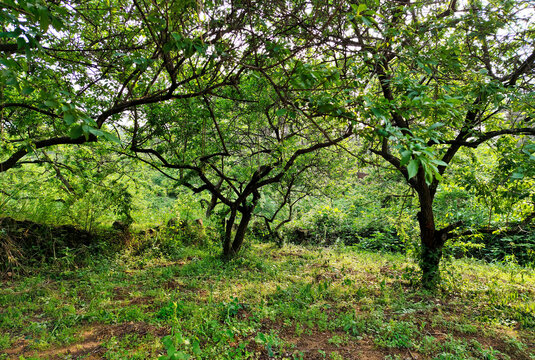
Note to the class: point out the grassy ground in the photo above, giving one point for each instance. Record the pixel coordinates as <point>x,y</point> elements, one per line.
<point>289,303</point>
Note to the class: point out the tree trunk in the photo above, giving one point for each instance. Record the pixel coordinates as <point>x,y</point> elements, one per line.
<point>227,239</point>
<point>231,246</point>
<point>240,232</point>
<point>431,241</point>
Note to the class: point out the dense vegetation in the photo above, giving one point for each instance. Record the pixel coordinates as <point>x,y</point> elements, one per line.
<point>234,179</point>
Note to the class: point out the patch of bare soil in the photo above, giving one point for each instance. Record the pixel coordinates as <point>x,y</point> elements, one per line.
<point>315,345</point>
<point>442,333</point>
<point>90,347</point>
<point>142,300</point>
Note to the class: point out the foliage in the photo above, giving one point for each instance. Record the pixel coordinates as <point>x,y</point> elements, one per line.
<point>25,244</point>
<point>498,247</point>
<point>139,138</point>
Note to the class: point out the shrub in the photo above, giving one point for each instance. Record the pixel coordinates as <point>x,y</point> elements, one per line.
<point>498,248</point>
<point>26,243</point>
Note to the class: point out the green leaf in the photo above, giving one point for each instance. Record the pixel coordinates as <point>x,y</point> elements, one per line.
<point>29,149</point>
<point>428,177</point>
<point>377,112</point>
<point>382,132</point>
<point>89,121</point>
<point>21,43</point>
<point>86,130</point>
<point>368,20</point>
<point>439,162</point>
<point>167,341</point>
<point>69,118</point>
<point>10,34</point>
<point>45,19</point>
<point>111,137</point>
<point>51,103</point>
<point>196,348</point>
<point>405,157</point>
<point>280,112</point>
<point>436,125</point>
<point>95,132</point>
<point>517,175</point>
<point>27,90</point>
<point>13,82</point>
<point>76,132</point>
<point>57,23</point>
<point>413,167</point>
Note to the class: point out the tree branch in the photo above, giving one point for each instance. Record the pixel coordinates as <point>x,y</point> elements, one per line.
<point>19,154</point>
<point>30,107</point>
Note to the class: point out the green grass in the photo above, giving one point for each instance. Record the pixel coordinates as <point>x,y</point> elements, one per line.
<point>289,303</point>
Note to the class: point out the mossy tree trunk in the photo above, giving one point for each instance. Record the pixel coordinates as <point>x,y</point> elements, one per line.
<point>431,240</point>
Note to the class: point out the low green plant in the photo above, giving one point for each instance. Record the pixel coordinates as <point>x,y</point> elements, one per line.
<point>179,348</point>
<point>270,341</point>
<point>396,334</point>
<point>337,340</point>
<point>231,309</point>
<point>349,323</point>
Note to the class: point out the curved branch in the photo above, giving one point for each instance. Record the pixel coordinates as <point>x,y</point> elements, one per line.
<point>30,107</point>
<point>19,154</point>
<point>303,151</point>
<point>483,137</point>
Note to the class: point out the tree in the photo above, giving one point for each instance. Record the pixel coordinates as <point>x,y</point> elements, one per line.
<point>233,145</point>
<point>428,81</point>
<point>143,58</point>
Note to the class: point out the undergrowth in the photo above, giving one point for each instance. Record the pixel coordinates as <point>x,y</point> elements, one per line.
<point>289,303</point>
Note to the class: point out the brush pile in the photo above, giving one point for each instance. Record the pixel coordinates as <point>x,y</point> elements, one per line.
<point>24,243</point>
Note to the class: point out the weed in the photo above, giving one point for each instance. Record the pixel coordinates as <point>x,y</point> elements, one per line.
<point>335,356</point>
<point>396,334</point>
<point>350,324</point>
<point>338,340</point>
<point>270,341</point>
<point>231,309</point>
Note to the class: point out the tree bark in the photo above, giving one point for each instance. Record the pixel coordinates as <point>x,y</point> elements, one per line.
<point>432,241</point>
<point>240,232</point>
<point>227,239</point>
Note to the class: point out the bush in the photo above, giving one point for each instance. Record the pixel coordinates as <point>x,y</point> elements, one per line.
<point>384,241</point>
<point>324,225</point>
<point>171,239</point>
<point>26,243</point>
<point>519,248</point>
<point>327,226</point>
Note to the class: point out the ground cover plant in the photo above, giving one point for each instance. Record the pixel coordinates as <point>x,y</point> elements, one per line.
<point>282,303</point>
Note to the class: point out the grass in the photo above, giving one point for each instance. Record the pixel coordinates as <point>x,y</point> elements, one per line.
<point>289,303</point>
